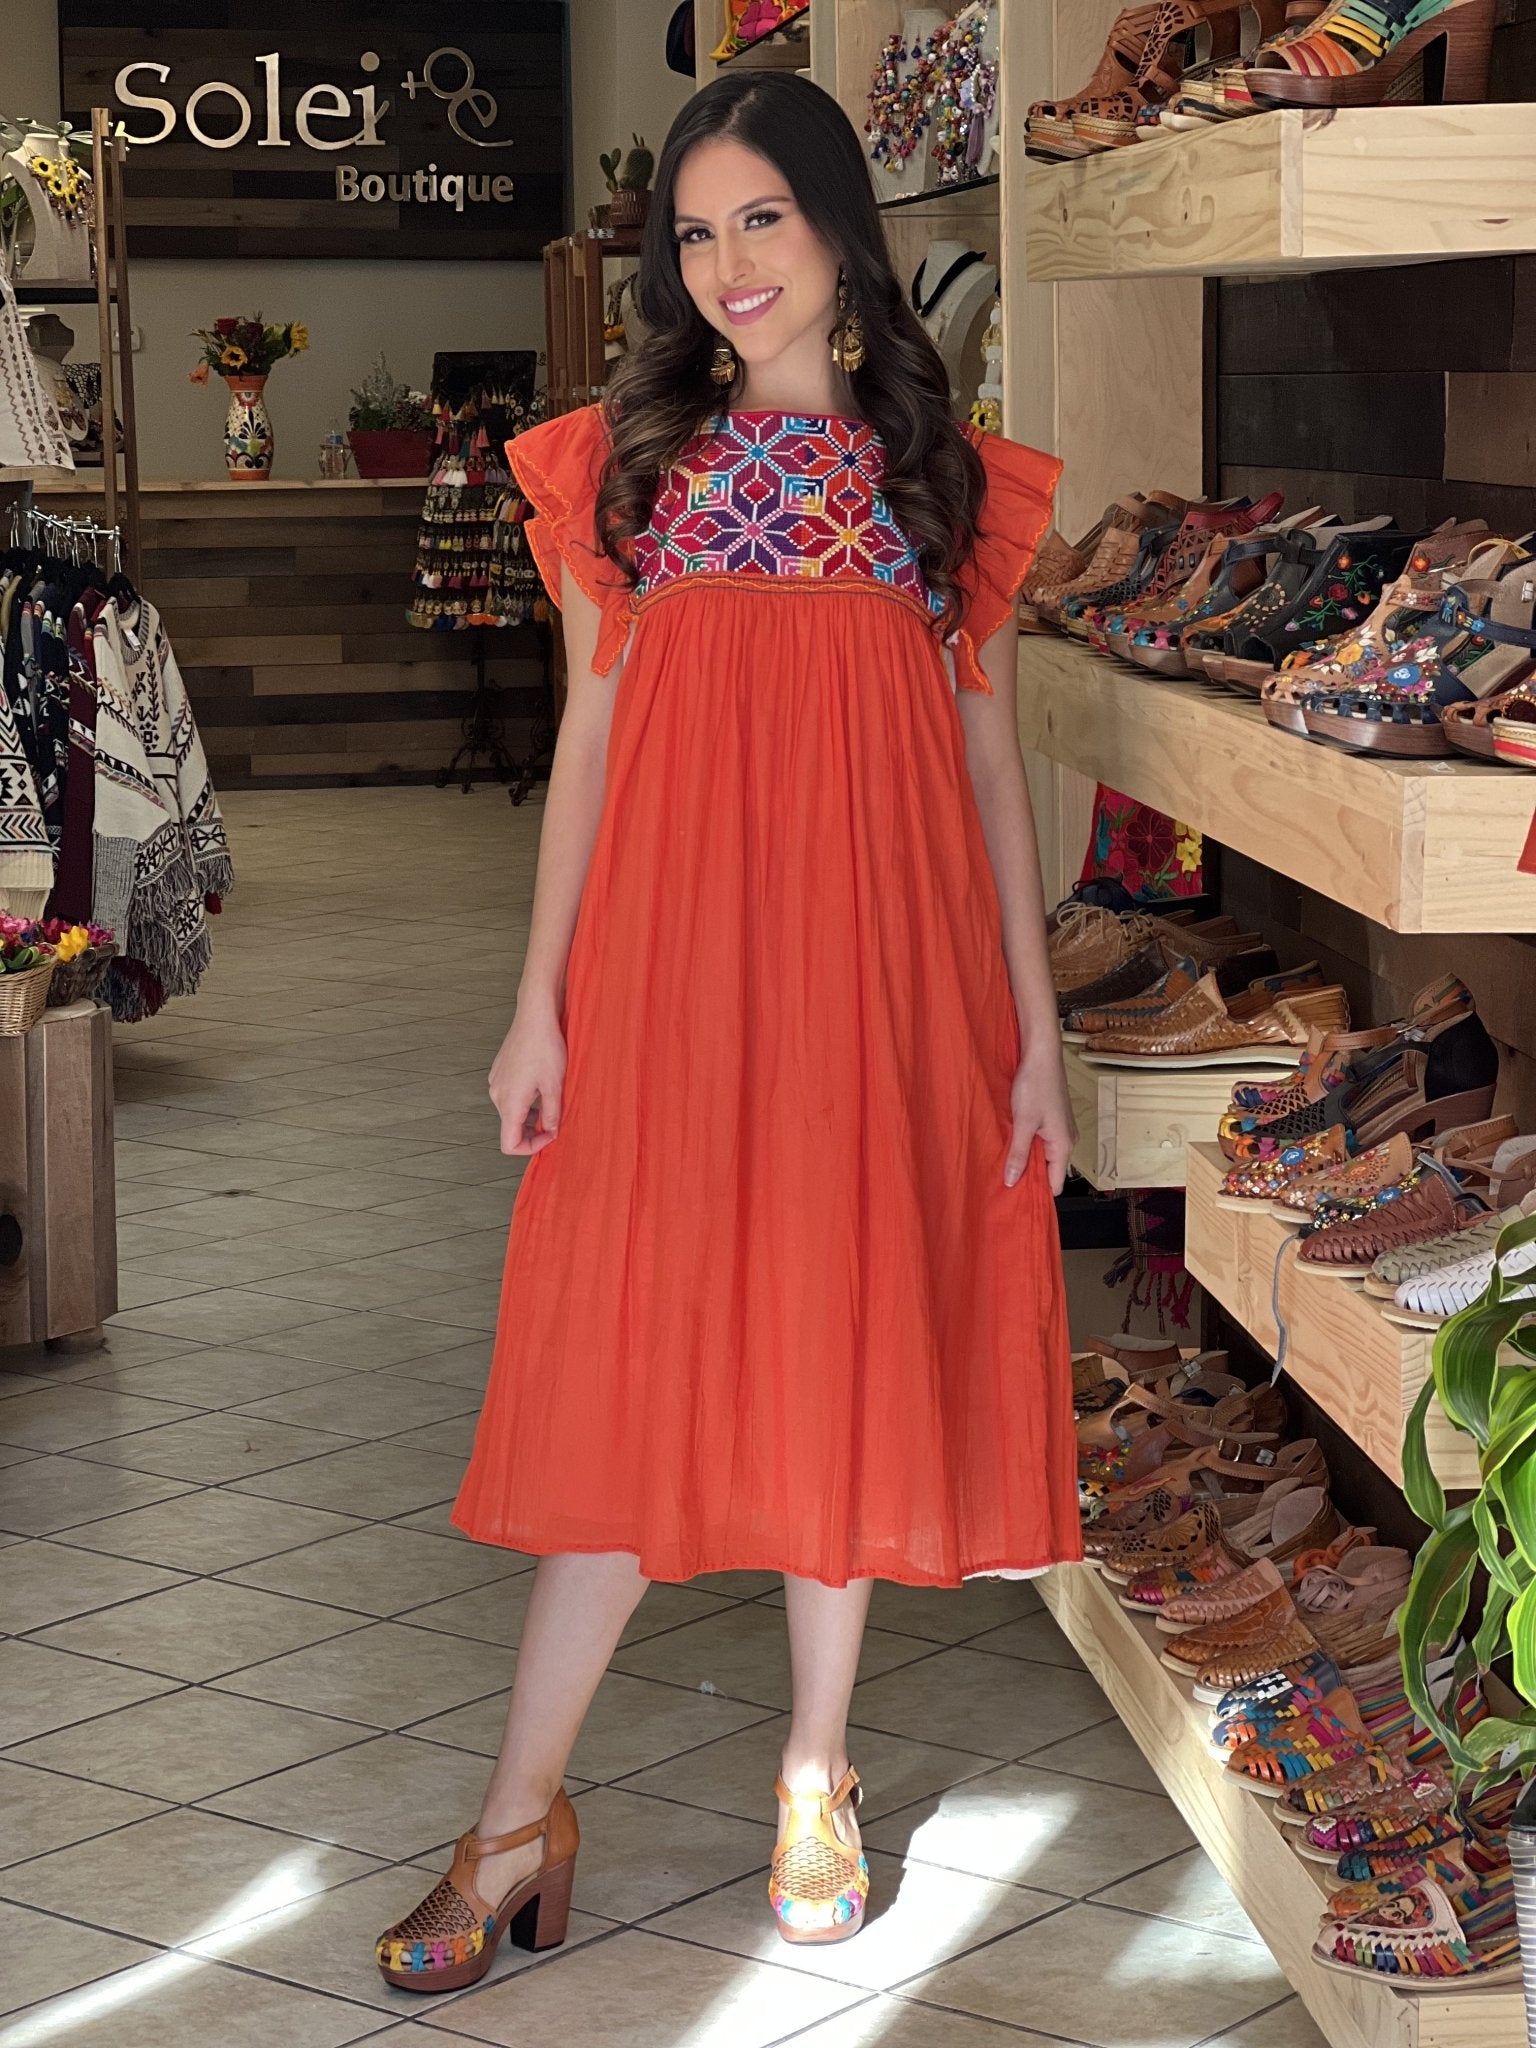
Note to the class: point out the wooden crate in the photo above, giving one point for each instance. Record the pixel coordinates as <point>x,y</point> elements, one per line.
<point>1281,1894</point>
<point>1427,846</point>
<point>1134,1124</point>
<point>56,1176</point>
<point>1365,1371</point>
<point>1290,190</point>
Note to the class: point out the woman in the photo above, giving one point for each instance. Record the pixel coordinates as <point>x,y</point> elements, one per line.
<point>783,1288</point>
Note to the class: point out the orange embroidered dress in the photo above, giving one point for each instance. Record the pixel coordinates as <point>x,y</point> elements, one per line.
<point>767,1301</point>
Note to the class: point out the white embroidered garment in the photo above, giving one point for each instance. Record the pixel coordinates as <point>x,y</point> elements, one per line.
<point>32,438</point>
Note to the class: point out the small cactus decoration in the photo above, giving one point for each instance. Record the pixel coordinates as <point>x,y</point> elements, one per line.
<point>639,166</point>
<point>608,163</point>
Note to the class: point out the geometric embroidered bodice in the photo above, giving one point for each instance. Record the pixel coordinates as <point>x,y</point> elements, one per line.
<point>779,494</point>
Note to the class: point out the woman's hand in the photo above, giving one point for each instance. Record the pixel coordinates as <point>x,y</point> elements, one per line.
<point>1041,1109</point>
<point>529,1068</point>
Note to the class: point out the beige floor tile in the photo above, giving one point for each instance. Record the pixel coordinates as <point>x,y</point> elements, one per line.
<point>65,1418</point>
<point>221,1315</point>
<point>736,1774</point>
<point>389,1797</point>
<point>372,1284</point>
<point>13,1454</point>
<point>177,2001</point>
<point>457,1208</point>
<point>437,1520</point>
<point>136,1881</point>
<point>200,1630</point>
<point>47,1582</point>
<point>13,1383</point>
<point>44,1688</point>
<point>44,1956</point>
<point>899,2023</point>
<point>220,1379</point>
<point>744,1653</point>
<point>469,1304</point>
<point>996,1706</point>
<point>1025,1826</point>
<point>213,1449</point>
<point>467,1365</point>
<point>188,1745</point>
<point>1035,1637</point>
<point>326,1942</point>
<point>918,1917</point>
<point>454,1438</point>
<point>136,1290</point>
<point>226,1262</point>
<point>1284,2026</point>
<point>383,1674</point>
<point>365,1233</point>
<point>383,1569</point>
<point>632,1722</point>
<point>945,1615</point>
<point>479,1254</point>
<point>1107,1754</point>
<point>1055,1973</point>
<point>209,1531</point>
<point>211,1173</point>
<point>494,1614</point>
<point>354,1187</point>
<point>125,1348</point>
<point>640,1855</point>
<point>40,1812</point>
<point>218,1218</point>
<point>1187,1887</point>
<point>364,1341</point>
<point>639,1991</point>
<point>375,1480</point>
<point>144,1197</point>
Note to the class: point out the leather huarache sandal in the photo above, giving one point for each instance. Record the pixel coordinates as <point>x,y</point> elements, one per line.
<point>1426,1302</point>
<point>1362,53</point>
<point>450,1939</point>
<point>817,1885</point>
<point>1417,1261</point>
<point>1048,130</point>
<point>1397,1816</point>
<point>1289,1642</point>
<point>1347,1250</point>
<point>1420,1934</point>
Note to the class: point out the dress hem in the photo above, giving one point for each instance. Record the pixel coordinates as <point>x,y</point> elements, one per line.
<point>1009,1567</point>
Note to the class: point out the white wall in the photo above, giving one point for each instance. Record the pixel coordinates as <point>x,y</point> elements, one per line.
<point>619,82</point>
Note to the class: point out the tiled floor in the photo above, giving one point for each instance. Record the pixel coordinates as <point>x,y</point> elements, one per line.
<point>250,1677</point>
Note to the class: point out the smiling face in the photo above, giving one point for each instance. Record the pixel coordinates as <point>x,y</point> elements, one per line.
<point>750,260</point>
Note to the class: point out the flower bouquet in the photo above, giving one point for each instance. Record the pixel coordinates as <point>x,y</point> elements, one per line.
<point>83,953</point>
<point>26,968</point>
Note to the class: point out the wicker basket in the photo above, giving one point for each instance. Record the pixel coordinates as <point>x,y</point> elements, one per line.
<point>23,998</point>
<point>79,980</point>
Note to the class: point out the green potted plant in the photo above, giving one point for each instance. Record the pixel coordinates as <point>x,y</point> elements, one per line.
<point>632,187</point>
<point>389,426</point>
<point>1483,1383</point>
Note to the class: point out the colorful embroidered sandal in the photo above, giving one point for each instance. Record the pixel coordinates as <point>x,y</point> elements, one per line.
<point>817,1885</point>
<point>450,1939</point>
<point>1362,53</point>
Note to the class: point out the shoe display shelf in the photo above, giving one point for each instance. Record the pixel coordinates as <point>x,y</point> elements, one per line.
<point>1134,1125</point>
<point>1340,1349</point>
<point>1419,846</point>
<point>1282,1894</point>
<point>1292,189</point>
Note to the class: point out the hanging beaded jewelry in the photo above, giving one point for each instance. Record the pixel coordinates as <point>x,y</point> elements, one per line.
<point>899,100</point>
<point>962,93</point>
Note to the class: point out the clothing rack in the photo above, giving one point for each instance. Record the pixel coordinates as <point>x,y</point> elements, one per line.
<point>73,540</point>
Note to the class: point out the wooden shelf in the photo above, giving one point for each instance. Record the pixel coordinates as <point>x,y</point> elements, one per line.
<point>1427,846</point>
<point>942,196</point>
<point>1281,1894</point>
<point>34,291</point>
<point>1135,1124</point>
<point>1365,1371</point>
<point>1290,190</point>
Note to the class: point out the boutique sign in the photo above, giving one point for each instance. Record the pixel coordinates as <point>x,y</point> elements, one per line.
<point>390,130</point>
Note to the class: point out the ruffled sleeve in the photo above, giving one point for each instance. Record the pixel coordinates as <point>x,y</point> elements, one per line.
<point>1021,482</point>
<point>558,466</point>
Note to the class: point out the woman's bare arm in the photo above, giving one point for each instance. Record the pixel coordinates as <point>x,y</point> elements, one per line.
<point>530,1066</point>
<point>996,766</point>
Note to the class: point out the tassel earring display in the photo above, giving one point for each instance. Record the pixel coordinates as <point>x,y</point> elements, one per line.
<point>848,351</point>
<point>722,369</point>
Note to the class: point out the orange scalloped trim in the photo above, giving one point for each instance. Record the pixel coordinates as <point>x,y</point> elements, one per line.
<point>990,607</point>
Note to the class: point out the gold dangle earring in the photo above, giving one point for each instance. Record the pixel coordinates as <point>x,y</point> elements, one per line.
<point>722,369</point>
<point>848,351</point>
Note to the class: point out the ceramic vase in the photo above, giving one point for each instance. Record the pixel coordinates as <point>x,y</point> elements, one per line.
<point>248,431</point>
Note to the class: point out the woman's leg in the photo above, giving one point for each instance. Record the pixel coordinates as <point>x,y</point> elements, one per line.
<point>826,1628</point>
<point>576,1614</point>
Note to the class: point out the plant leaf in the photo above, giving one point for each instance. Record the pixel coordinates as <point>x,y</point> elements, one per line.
<point>1489,1534</point>
<point>1426,1496</point>
<point>1466,1361</point>
<point>1513,1418</point>
<point>1522,1641</point>
<point>1489,1739</point>
<point>1515,1484</point>
<point>1492,1637</point>
<point>1431,1614</point>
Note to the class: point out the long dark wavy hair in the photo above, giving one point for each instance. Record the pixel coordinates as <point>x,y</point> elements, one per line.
<point>661,394</point>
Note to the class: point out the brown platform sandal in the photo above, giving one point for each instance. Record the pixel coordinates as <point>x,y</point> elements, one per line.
<point>450,1939</point>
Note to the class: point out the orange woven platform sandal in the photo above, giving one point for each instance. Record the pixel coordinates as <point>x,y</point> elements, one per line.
<point>817,1885</point>
<point>450,1939</point>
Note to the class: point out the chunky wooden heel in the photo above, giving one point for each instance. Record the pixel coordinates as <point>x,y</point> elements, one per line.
<point>450,1939</point>
<point>1369,53</point>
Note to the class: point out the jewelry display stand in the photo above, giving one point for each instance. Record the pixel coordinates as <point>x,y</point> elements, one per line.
<point>61,249</point>
<point>953,293</point>
<point>918,173</point>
